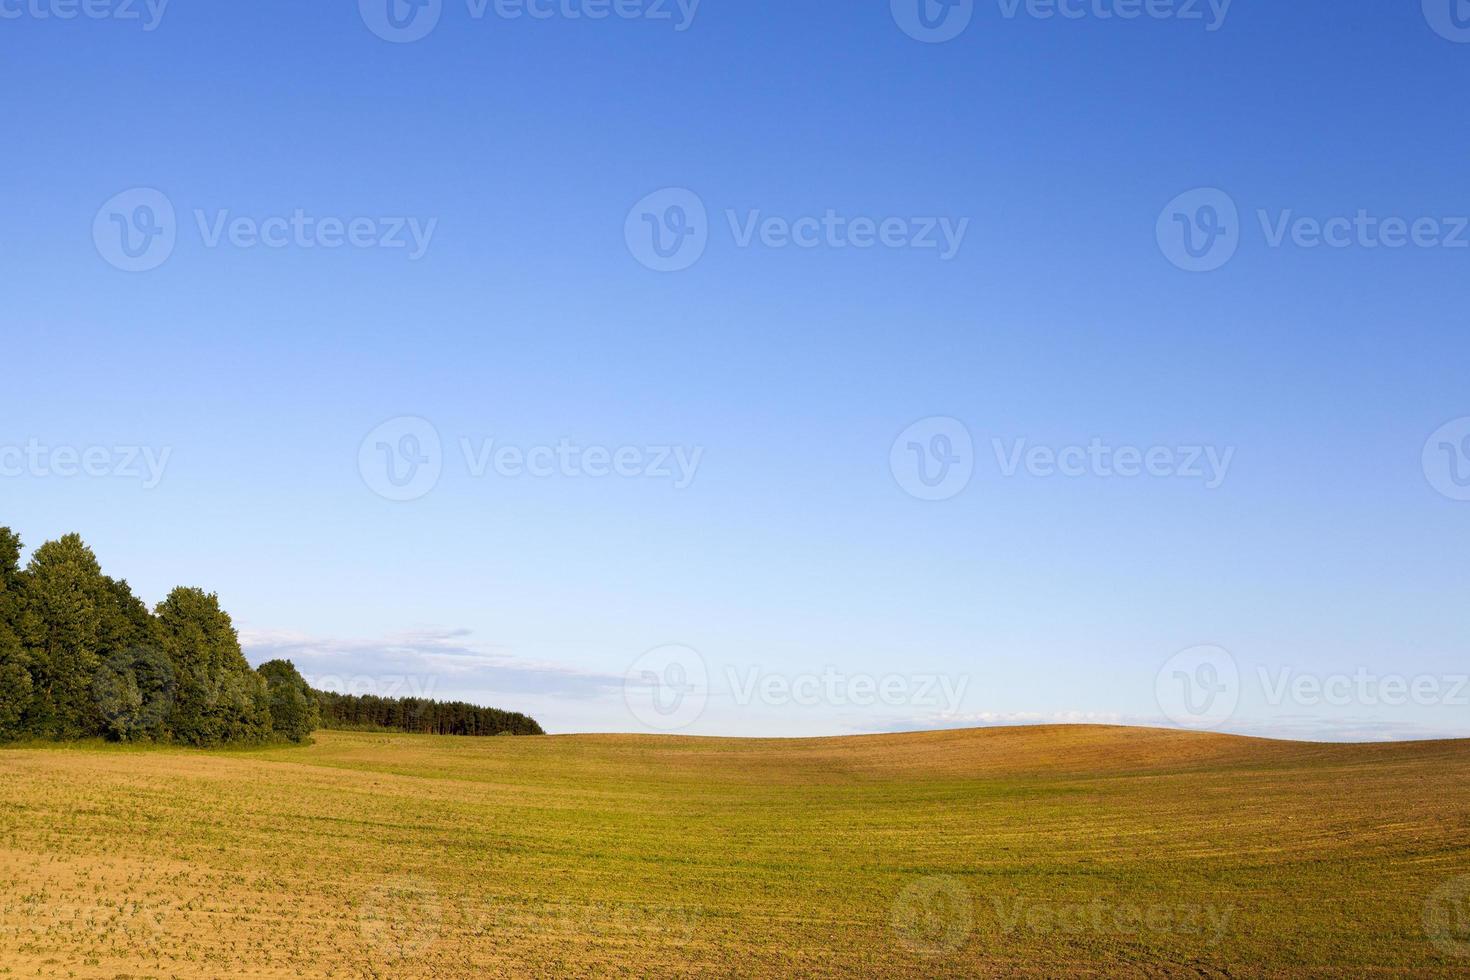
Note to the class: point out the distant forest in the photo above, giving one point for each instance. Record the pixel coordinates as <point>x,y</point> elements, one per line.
<point>368,712</point>
<point>82,657</point>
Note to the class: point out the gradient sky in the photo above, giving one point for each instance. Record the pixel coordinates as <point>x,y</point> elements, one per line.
<point>1326,550</point>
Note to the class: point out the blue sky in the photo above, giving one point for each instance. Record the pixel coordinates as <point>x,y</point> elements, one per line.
<point>529,152</point>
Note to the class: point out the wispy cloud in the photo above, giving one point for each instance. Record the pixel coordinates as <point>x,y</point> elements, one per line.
<point>425,656</point>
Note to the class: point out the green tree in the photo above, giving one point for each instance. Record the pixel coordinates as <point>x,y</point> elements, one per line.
<point>61,622</point>
<point>15,675</point>
<point>294,711</point>
<point>134,690</point>
<point>217,697</point>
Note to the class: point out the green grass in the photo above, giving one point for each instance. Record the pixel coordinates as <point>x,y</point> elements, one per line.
<point>1036,851</point>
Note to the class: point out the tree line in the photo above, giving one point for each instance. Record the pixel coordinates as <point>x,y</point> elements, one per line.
<point>81,656</point>
<point>420,715</point>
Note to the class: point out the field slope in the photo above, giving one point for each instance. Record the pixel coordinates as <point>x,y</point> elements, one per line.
<point>1039,851</point>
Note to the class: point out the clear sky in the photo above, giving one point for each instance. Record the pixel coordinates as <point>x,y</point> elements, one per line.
<point>1088,236</point>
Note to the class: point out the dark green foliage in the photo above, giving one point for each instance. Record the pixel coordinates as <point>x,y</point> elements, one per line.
<point>134,691</point>
<point>294,711</point>
<point>218,697</point>
<point>61,625</point>
<point>421,716</point>
<point>81,656</point>
<point>15,675</point>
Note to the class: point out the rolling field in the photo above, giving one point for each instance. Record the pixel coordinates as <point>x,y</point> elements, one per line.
<point>1038,851</point>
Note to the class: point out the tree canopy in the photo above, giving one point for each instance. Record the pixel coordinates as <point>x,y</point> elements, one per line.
<point>81,656</point>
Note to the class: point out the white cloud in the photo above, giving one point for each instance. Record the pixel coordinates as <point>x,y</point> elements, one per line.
<point>427,663</point>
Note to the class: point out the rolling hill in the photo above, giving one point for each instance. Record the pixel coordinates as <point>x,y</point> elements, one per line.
<point>1034,851</point>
